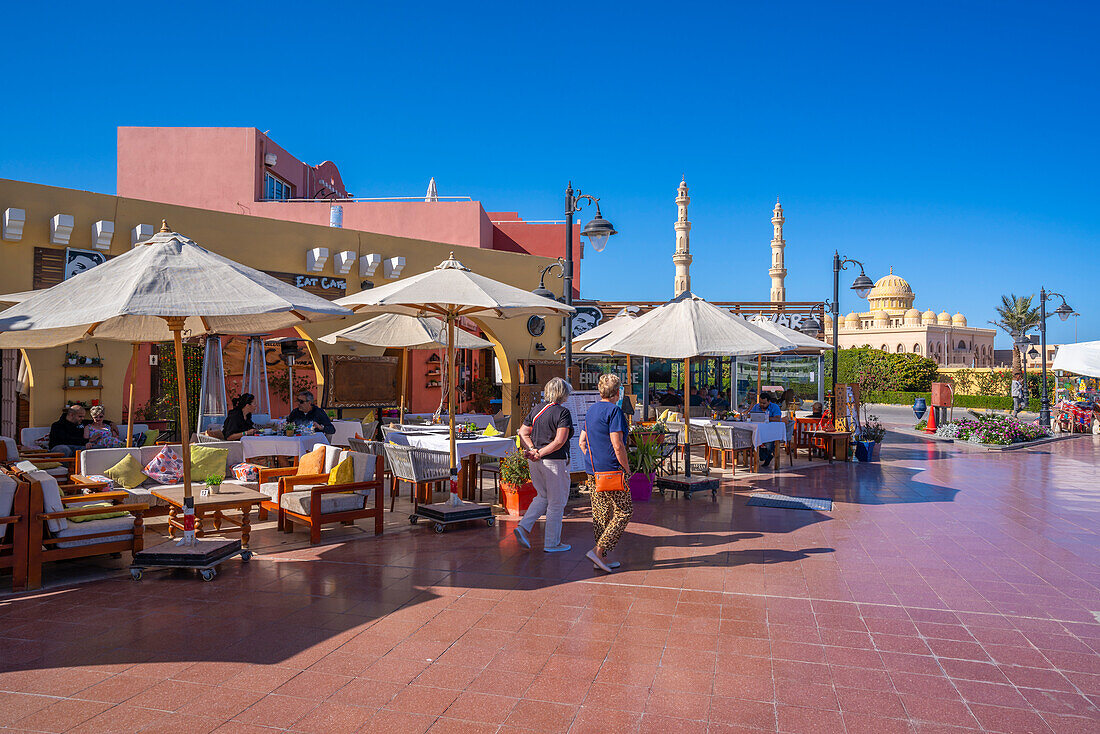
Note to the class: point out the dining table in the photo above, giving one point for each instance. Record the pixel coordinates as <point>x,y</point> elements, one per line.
<point>274,445</point>
<point>468,452</point>
<point>772,432</point>
<point>481,420</point>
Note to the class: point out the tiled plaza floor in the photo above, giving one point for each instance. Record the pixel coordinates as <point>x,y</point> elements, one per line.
<point>945,591</point>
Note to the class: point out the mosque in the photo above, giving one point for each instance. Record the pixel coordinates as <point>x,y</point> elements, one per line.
<point>891,323</point>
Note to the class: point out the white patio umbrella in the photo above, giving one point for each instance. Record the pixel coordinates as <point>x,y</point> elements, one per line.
<point>687,327</point>
<point>1082,358</point>
<point>159,289</point>
<point>397,331</point>
<point>451,290</point>
<point>800,340</point>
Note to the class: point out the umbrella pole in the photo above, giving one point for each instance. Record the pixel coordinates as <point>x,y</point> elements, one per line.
<point>404,384</point>
<point>451,387</point>
<point>130,408</point>
<point>175,324</point>
<point>758,377</point>
<point>687,418</point>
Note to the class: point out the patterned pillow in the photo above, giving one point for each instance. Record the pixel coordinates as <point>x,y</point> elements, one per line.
<point>166,467</point>
<point>111,485</point>
<point>246,472</point>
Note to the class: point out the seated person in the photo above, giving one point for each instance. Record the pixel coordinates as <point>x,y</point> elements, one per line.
<point>238,421</point>
<point>816,410</point>
<point>696,399</point>
<point>67,432</point>
<point>719,403</point>
<point>307,412</point>
<point>100,433</point>
<point>764,404</point>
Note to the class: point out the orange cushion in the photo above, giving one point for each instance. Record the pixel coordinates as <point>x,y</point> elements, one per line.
<point>313,462</point>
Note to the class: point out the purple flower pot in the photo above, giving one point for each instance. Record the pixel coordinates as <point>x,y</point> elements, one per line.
<point>641,487</point>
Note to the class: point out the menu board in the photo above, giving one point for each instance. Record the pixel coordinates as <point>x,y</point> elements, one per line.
<point>578,404</point>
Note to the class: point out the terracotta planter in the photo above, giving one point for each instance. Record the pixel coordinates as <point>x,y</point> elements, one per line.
<point>641,487</point>
<point>517,499</point>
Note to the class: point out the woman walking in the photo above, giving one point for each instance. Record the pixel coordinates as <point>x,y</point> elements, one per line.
<point>545,435</point>
<point>603,441</point>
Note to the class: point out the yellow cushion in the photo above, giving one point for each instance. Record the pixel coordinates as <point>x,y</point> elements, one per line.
<point>207,461</point>
<point>663,417</point>
<point>490,430</point>
<point>342,473</point>
<point>151,437</point>
<point>127,473</point>
<point>313,462</point>
<point>46,465</point>
<point>100,516</point>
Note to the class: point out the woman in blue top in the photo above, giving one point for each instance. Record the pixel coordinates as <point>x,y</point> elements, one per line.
<point>603,442</point>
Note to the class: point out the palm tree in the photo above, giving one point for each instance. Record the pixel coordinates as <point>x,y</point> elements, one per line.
<point>1017,317</point>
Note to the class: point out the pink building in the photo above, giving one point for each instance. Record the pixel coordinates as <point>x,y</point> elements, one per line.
<point>241,170</point>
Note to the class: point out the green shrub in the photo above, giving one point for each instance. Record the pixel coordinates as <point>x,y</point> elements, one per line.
<point>874,368</point>
<point>978,402</point>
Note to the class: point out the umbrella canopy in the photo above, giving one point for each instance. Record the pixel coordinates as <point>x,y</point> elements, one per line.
<point>17,297</point>
<point>800,340</point>
<point>160,288</point>
<point>405,332</point>
<point>1081,359</point>
<point>621,321</point>
<point>450,290</point>
<point>129,298</point>
<point>687,326</point>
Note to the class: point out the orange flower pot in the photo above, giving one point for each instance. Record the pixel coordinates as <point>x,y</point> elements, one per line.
<point>517,498</point>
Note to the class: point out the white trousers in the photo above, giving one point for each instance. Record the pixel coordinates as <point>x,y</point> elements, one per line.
<point>551,480</point>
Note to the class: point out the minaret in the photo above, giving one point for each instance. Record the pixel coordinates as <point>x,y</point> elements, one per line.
<point>777,271</point>
<point>682,257</point>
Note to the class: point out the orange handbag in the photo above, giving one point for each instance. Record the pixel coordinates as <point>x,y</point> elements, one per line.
<point>606,481</point>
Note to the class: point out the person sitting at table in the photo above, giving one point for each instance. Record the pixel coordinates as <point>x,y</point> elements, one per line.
<point>816,410</point>
<point>238,421</point>
<point>100,433</point>
<point>67,432</point>
<point>308,413</point>
<point>764,404</point>
<point>695,398</point>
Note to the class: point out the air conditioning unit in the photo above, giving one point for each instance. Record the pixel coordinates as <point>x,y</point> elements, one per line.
<point>270,159</point>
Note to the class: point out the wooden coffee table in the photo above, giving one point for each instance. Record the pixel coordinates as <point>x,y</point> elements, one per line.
<point>231,498</point>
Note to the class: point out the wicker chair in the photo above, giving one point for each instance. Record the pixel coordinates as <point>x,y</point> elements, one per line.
<point>736,443</point>
<point>369,429</point>
<point>698,437</point>
<point>714,445</point>
<point>421,468</point>
<point>374,448</point>
<point>670,443</point>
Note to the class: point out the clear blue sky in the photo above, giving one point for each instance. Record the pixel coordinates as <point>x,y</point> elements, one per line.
<point>954,141</point>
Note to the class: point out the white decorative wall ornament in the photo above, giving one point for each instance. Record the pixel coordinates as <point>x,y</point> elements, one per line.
<point>140,233</point>
<point>316,259</point>
<point>103,232</point>
<point>14,219</point>
<point>394,266</point>
<point>61,229</point>
<point>344,261</point>
<point>368,264</point>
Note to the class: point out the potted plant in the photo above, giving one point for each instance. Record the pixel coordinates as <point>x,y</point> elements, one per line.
<point>84,380</point>
<point>97,361</point>
<point>71,382</point>
<point>214,483</point>
<point>85,360</point>
<point>95,382</point>
<point>870,437</point>
<point>289,429</point>
<point>71,357</point>
<point>515,483</point>
<point>645,456</point>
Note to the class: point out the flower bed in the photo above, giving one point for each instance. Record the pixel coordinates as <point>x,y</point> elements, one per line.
<point>998,430</point>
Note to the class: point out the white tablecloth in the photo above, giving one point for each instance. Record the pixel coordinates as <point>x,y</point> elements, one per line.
<point>295,446</point>
<point>761,432</point>
<point>479,419</point>
<point>441,442</point>
<point>344,431</point>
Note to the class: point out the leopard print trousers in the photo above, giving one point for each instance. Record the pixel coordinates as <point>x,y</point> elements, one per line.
<point>611,512</point>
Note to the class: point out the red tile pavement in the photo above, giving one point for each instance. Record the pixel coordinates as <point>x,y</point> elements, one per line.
<point>947,590</point>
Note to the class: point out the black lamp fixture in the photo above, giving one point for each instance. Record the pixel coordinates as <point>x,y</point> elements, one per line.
<point>598,231</point>
<point>1064,312</point>
<point>542,290</point>
<point>810,327</point>
<point>862,285</point>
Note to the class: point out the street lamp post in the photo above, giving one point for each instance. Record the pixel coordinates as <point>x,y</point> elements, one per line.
<point>1063,312</point>
<point>598,230</point>
<point>862,285</point>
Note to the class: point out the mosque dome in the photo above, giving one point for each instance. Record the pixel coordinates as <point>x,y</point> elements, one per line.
<point>958,320</point>
<point>928,317</point>
<point>851,321</point>
<point>828,322</point>
<point>881,318</point>
<point>912,317</point>
<point>943,318</point>
<point>891,292</point>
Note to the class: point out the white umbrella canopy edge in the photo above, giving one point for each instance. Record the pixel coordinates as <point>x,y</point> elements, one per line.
<point>800,340</point>
<point>155,292</point>
<point>1082,358</point>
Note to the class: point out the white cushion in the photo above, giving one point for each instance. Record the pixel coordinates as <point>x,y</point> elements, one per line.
<point>58,471</point>
<point>7,498</point>
<point>271,489</point>
<point>11,450</point>
<point>299,502</point>
<point>123,524</point>
<point>28,436</point>
<point>332,456</point>
<point>51,499</point>
<point>145,494</point>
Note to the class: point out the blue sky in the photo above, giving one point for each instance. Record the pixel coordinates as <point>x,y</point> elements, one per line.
<point>956,142</point>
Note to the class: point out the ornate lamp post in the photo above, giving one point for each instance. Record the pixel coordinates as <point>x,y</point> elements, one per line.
<point>598,230</point>
<point>1063,312</point>
<point>862,285</point>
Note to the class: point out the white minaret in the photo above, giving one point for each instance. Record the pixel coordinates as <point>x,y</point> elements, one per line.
<point>777,271</point>
<point>682,257</point>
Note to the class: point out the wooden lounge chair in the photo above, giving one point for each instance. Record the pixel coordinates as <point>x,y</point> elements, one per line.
<point>309,500</point>
<point>13,529</point>
<point>53,535</point>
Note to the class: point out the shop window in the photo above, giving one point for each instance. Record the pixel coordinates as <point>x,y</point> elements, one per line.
<point>276,189</point>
